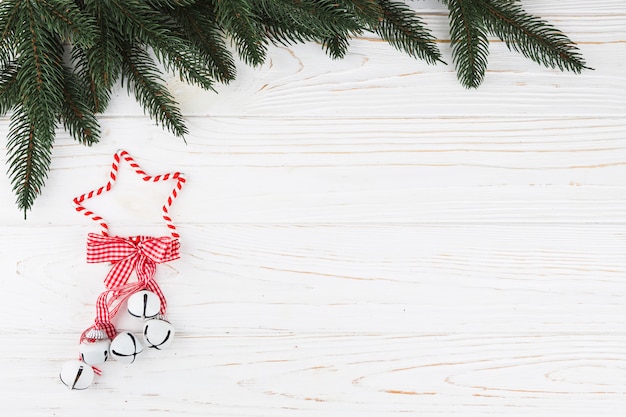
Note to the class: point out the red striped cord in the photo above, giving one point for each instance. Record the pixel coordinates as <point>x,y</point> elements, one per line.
<point>117,158</point>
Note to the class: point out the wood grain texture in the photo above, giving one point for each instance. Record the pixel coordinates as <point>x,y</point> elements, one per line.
<point>365,374</point>
<point>374,80</point>
<point>486,169</point>
<point>344,278</point>
<point>359,238</point>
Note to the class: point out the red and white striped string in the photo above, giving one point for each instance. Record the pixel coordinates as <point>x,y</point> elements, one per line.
<point>118,157</point>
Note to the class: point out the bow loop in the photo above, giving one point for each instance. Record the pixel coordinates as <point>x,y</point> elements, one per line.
<point>139,254</point>
<point>108,249</point>
<point>159,250</point>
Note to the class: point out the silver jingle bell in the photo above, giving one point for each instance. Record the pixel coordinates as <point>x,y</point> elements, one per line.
<point>125,347</point>
<point>76,375</point>
<point>157,333</point>
<point>144,304</point>
<point>95,353</point>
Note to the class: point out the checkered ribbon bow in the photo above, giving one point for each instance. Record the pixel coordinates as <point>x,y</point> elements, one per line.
<point>140,254</point>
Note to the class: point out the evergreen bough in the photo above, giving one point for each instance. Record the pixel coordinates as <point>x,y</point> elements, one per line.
<point>61,59</point>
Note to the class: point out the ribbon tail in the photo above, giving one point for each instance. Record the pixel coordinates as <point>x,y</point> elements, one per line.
<point>145,269</point>
<point>120,272</point>
<point>154,287</point>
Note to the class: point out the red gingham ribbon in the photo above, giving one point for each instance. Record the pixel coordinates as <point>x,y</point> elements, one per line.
<point>140,253</point>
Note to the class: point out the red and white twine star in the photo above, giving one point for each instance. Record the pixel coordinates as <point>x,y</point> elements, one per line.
<point>119,156</point>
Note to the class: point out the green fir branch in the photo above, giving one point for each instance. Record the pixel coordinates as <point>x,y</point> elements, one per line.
<point>470,46</point>
<point>170,4</point>
<point>6,56</point>
<point>288,24</point>
<point>532,36</point>
<point>40,76</point>
<point>77,113</point>
<point>329,16</point>
<point>142,77</point>
<point>336,46</point>
<point>94,82</point>
<point>9,89</point>
<point>153,28</point>
<point>406,31</point>
<point>100,66</point>
<point>338,19</point>
<point>29,150</point>
<point>238,19</point>
<point>9,17</point>
<point>199,27</point>
<point>369,12</point>
<point>67,20</point>
<point>9,12</point>
<point>333,23</point>
<point>40,87</point>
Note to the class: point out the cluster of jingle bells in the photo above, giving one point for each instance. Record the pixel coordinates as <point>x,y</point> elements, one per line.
<point>96,349</point>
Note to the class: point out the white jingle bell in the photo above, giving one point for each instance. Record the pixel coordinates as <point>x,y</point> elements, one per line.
<point>95,353</point>
<point>144,304</point>
<point>158,334</point>
<point>125,347</point>
<point>76,375</point>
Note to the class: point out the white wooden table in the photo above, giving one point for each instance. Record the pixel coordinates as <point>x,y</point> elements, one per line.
<point>360,237</point>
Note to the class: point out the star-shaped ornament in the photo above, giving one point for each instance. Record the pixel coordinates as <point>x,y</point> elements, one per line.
<point>118,158</point>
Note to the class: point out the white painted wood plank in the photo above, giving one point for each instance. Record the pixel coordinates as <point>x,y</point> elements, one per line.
<point>526,375</point>
<point>255,170</point>
<point>341,279</point>
<point>376,81</point>
<point>308,319</point>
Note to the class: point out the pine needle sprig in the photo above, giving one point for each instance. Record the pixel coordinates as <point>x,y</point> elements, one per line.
<point>100,66</point>
<point>470,46</point>
<point>532,36</point>
<point>143,79</point>
<point>289,24</point>
<point>327,17</point>
<point>9,92</point>
<point>94,80</point>
<point>369,12</point>
<point>170,4</point>
<point>187,62</point>
<point>238,19</point>
<point>9,17</point>
<point>336,46</point>
<point>32,129</point>
<point>6,56</point>
<point>199,27</point>
<point>337,24</point>
<point>151,27</point>
<point>333,23</point>
<point>30,150</point>
<point>68,21</point>
<point>77,114</point>
<point>9,12</point>
<point>403,29</point>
